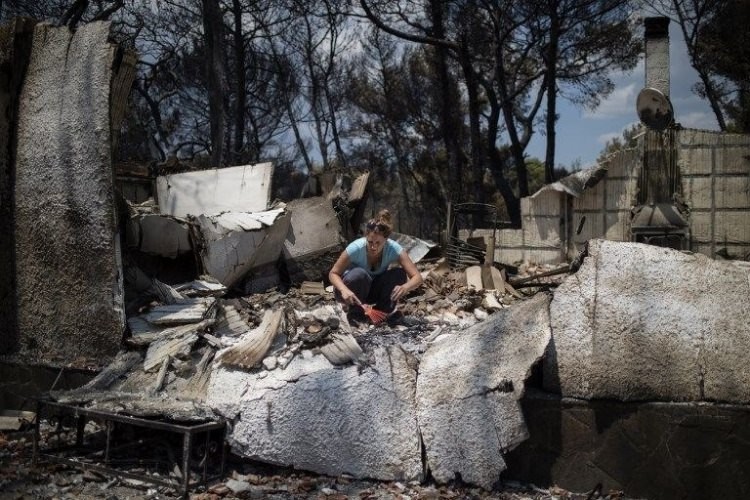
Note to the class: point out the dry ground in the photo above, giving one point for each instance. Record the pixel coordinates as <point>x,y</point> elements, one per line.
<point>19,480</point>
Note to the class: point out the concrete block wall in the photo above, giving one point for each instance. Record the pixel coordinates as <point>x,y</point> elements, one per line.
<point>542,218</point>
<point>606,206</point>
<point>715,176</point>
<point>550,218</point>
<point>68,268</point>
<point>540,239</point>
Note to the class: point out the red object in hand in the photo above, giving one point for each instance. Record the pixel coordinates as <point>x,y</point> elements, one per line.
<point>375,315</point>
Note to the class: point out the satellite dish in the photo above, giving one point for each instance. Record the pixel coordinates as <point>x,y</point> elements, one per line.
<point>654,109</point>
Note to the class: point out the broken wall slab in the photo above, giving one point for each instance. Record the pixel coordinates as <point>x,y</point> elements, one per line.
<point>245,188</point>
<point>232,244</point>
<point>159,235</point>
<point>69,284</point>
<point>468,390</point>
<point>314,240</point>
<point>416,248</point>
<point>314,416</point>
<point>639,322</point>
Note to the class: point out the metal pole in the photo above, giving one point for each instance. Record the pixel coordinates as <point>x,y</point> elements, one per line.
<point>187,444</point>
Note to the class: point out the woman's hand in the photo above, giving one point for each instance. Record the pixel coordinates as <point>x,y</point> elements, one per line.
<point>398,292</point>
<point>350,297</point>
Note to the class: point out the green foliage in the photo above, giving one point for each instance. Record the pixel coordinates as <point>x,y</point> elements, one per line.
<point>628,139</point>
<point>535,168</point>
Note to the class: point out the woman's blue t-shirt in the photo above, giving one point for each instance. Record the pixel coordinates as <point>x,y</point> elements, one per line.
<point>357,251</point>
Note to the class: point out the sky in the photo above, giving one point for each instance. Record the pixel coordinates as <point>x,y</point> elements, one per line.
<point>582,134</point>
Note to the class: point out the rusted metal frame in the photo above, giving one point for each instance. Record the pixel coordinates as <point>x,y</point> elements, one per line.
<point>187,430</point>
<point>140,422</point>
<point>460,252</point>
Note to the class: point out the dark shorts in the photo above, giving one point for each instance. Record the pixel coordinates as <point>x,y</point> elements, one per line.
<point>375,290</point>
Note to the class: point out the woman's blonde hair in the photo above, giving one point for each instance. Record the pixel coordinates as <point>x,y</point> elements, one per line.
<point>381,223</point>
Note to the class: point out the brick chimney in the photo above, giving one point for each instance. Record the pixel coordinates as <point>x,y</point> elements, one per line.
<point>657,53</point>
<point>657,220</point>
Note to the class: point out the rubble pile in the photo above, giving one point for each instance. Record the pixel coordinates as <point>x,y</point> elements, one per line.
<point>180,329</point>
<point>196,352</point>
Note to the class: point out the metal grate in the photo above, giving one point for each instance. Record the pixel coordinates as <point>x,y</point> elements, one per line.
<point>469,216</point>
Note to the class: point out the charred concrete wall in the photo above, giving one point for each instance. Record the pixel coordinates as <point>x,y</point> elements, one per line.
<point>540,238</point>
<point>603,211</point>
<point>669,451</point>
<point>15,46</point>
<point>67,265</point>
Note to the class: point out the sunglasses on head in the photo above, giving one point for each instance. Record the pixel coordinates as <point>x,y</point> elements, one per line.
<point>374,226</point>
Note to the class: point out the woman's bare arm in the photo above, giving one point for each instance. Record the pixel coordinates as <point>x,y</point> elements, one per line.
<point>335,277</point>
<point>414,281</point>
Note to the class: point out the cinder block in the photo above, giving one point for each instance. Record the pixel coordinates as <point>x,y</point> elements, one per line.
<point>541,231</point>
<point>621,194</point>
<point>700,227</point>
<point>732,192</point>
<point>732,227</point>
<point>618,226</point>
<point>694,137</point>
<point>592,198</point>
<point>697,192</point>
<point>733,160</point>
<point>626,164</point>
<point>695,161</point>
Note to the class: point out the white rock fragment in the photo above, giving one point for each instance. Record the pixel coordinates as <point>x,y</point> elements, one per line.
<point>237,486</point>
<point>480,314</point>
<point>270,362</point>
